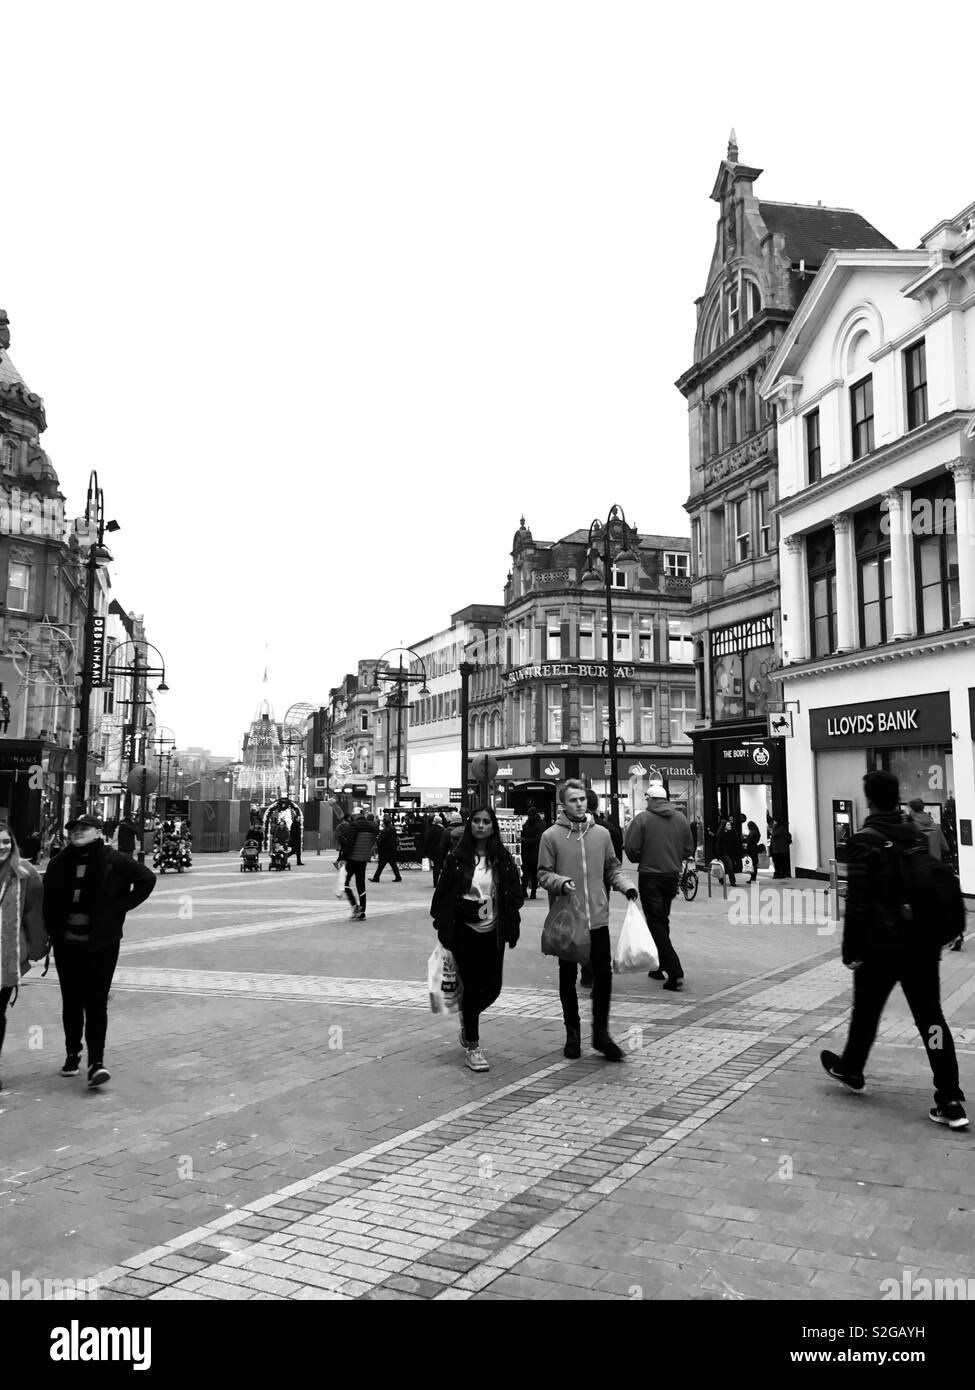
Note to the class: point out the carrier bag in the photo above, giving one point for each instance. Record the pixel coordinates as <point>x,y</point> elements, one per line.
<point>443,982</point>
<point>340,885</point>
<point>565,932</point>
<point>635,950</point>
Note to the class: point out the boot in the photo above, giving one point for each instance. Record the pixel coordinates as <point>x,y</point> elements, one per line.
<point>362,908</point>
<point>603,1043</point>
<point>573,1044</point>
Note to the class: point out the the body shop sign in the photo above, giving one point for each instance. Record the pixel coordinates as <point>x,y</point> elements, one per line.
<point>889,723</point>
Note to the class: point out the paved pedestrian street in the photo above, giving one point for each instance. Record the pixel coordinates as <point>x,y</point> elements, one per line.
<point>287,1119</point>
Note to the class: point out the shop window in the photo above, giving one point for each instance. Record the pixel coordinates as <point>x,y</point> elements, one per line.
<point>821,553</point>
<point>648,728</point>
<point>553,720</point>
<point>814,452</point>
<point>683,715</point>
<point>553,636</point>
<point>861,417</point>
<point>587,714</point>
<point>18,588</point>
<point>876,605</point>
<point>935,556</point>
<point>916,385</point>
<point>645,651</point>
<point>680,644</point>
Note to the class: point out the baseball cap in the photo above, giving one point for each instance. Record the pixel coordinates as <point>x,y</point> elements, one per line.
<point>95,822</point>
<point>657,791</point>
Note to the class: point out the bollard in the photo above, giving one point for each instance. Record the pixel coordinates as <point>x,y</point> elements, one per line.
<point>318,837</point>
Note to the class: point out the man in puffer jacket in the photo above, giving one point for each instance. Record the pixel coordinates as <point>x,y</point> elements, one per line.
<point>576,859</point>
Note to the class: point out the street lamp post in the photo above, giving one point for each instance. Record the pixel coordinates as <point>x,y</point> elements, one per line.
<point>466,669</point>
<point>402,677</point>
<point>615,523</point>
<point>139,672</point>
<point>97,555</point>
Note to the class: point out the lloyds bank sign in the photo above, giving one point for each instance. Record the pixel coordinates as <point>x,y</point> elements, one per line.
<point>889,723</point>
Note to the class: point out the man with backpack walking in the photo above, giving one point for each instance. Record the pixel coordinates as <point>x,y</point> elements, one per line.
<point>902,907</point>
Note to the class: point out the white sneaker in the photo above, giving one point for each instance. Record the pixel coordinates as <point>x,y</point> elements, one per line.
<point>476,1059</point>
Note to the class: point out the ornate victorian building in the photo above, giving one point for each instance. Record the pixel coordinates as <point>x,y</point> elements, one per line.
<point>765,256</point>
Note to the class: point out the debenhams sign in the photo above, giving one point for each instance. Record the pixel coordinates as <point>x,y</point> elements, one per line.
<point>882,723</point>
<point>567,668</point>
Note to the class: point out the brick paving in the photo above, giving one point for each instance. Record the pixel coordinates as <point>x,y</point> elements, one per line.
<point>287,1120</point>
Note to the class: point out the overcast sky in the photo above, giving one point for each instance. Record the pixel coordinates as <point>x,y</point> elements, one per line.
<point>331,293</point>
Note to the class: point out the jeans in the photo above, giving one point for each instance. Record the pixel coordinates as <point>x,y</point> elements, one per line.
<point>602,983</point>
<point>479,964</point>
<point>85,978</point>
<point>657,892</point>
<point>356,869</point>
<point>383,861</point>
<point>917,976</point>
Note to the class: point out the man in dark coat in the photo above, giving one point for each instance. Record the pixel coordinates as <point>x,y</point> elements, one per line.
<point>531,834</point>
<point>295,839</point>
<point>435,846</point>
<point>88,889</point>
<point>126,836</point>
<point>885,946</point>
<point>386,846</point>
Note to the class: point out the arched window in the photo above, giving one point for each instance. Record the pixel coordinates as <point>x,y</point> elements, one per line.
<point>475,732</point>
<point>753,299</point>
<point>496,729</point>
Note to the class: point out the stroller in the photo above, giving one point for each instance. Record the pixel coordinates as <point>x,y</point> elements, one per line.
<point>250,857</point>
<point>280,856</point>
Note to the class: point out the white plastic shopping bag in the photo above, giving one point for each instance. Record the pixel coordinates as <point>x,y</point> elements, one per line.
<point>340,884</point>
<point>443,982</point>
<point>635,949</point>
<point>425,865</point>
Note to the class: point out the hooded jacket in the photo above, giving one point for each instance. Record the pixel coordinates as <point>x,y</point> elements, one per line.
<point>931,830</point>
<point>872,925</point>
<point>22,934</point>
<point>582,851</point>
<point>362,838</point>
<point>659,839</point>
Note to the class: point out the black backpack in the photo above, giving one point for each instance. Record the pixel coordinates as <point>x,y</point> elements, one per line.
<point>924,891</point>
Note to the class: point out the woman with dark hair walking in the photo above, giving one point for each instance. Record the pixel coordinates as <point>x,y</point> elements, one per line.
<point>22,934</point>
<point>752,842</point>
<point>476,912</point>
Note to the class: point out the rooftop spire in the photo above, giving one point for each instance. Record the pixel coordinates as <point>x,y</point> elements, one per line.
<point>732,147</point>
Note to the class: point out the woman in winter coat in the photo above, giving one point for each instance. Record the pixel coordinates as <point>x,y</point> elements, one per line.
<point>724,848</point>
<point>476,913</point>
<point>22,934</point>
<point>778,844</point>
<point>752,841</point>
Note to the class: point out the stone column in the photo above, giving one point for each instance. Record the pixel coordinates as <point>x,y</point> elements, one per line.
<point>793,600</point>
<point>846,638</point>
<point>899,517</point>
<point>963,473</point>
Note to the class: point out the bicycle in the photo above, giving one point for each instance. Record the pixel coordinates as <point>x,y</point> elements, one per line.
<point>688,880</point>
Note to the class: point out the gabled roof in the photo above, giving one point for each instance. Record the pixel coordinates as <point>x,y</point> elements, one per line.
<point>812,232</point>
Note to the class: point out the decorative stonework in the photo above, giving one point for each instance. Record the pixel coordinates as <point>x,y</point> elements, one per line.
<point>740,457</point>
<point>793,544</point>
<point>842,522</point>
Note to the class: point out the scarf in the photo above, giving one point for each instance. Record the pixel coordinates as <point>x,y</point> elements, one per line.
<point>11,949</point>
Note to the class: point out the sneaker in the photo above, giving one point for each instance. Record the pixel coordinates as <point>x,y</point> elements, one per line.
<point>476,1059</point>
<point>676,984</point>
<point>834,1066</point>
<point>72,1065</point>
<point>951,1113</point>
<point>97,1075</point>
<point>573,1044</point>
<point>603,1043</point>
<point>656,975</point>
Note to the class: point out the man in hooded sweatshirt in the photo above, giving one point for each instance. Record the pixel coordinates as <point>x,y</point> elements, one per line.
<point>884,948</point>
<point>576,859</point>
<point>929,828</point>
<point>659,839</point>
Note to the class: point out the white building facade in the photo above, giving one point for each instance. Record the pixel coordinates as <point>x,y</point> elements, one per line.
<point>875,387</point>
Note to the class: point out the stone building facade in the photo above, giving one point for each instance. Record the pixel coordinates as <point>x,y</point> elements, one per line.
<point>765,257</point>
